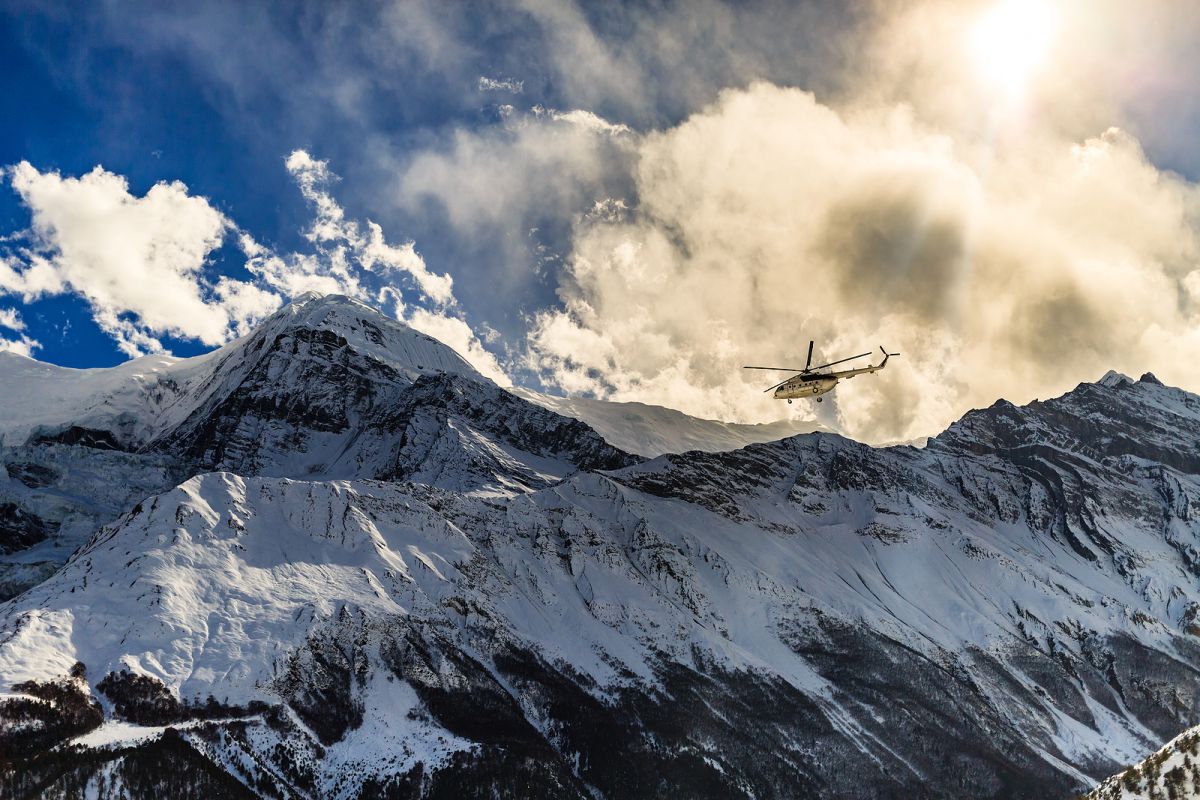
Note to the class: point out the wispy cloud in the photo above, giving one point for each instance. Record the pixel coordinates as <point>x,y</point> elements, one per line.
<point>511,85</point>
<point>344,252</point>
<point>9,318</point>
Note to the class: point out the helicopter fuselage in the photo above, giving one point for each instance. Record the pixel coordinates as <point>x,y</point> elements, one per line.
<point>808,386</point>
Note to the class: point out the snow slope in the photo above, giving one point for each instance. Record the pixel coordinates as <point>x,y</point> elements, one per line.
<point>651,431</point>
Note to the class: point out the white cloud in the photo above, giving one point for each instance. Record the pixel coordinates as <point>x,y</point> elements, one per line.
<point>138,261</point>
<point>529,175</point>
<point>9,318</point>
<point>22,345</point>
<point>544,163</point>
<point>347,254</point>
<point>584,119</point>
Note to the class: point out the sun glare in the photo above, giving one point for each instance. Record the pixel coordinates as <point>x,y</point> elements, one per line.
<point>1010,41</point>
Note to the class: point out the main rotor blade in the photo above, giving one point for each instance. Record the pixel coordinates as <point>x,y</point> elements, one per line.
<point>808,363</point>
<point>842,360</point>
<point>777,369</point>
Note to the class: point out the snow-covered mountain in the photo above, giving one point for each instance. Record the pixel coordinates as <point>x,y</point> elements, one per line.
<point>360,575</point>
<point>144,399</point>
<point>650,431</point>
<point>325,388</point>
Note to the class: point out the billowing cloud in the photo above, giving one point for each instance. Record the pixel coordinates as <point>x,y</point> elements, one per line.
<point>138,261</point>
<point>540,164</point>
<point>1008,245</point>
<point>771,218</point>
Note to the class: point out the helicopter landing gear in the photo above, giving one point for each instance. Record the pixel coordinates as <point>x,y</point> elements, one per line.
<point>789,402</point>
<point>819,399</point>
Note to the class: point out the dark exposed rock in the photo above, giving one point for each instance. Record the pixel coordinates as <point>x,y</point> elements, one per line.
<point>20,529</point>
<point>1094,420</point>
<point>140,698</point>
<point>81,437</point>
<point>309,404</point>
<point>35,476</point>
<point>438,402</point>
<point>319,684</point>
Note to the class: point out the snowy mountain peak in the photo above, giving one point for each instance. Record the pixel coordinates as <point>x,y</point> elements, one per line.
<point>1114,379</point>
<point>145,398</point>
<point>371,333</point>
<point>1113,418</point>
<point>1149,377</point>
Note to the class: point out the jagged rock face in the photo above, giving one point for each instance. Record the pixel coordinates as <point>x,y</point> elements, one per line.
<point>300,399</point>
<point>1147,421</point>
<point>53,496</point>
<point>297,388</point>
<point>447,413</point>
<point>312,405</point>
<point>468,595</point>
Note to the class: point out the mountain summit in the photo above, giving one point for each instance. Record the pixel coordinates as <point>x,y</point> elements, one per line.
<point>330,560</point>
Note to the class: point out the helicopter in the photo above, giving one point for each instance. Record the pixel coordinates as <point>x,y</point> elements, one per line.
<point>810,382</point>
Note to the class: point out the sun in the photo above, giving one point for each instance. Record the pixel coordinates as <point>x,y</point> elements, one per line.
<point>1011,40</point>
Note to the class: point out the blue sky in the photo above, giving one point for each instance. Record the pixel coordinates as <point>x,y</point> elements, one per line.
<point>630,199</point>
<point>217,98</point>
